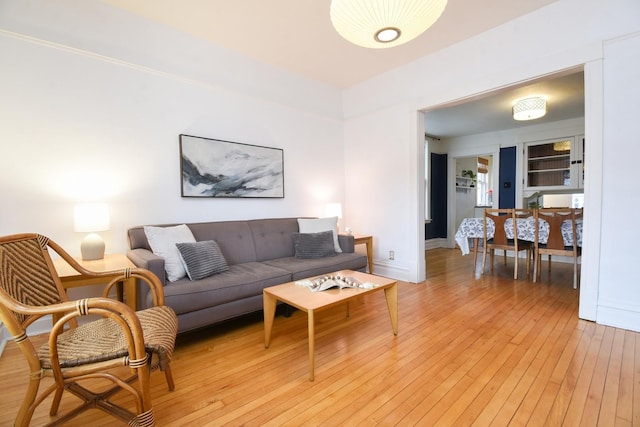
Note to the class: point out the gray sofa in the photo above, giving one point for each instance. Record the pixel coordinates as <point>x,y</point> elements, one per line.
<point>260,253</point>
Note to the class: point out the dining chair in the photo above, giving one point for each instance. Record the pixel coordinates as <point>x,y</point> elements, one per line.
<point>500,239</point>
<point>121,347</point>
<point>555,244</point>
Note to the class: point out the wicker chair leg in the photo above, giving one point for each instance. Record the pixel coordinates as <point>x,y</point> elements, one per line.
<point>145,413</point>
<point>23,419</point>
<point>55,404</point>
<point>169,377</point>
<point>143,420</point>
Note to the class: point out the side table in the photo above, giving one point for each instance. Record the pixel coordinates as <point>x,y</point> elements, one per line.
<point>368,241</point>
<point>70,278</point>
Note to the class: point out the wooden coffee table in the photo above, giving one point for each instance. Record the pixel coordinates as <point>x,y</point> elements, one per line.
<point>304,299</point>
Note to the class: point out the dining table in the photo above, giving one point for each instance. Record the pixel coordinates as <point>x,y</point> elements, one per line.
<point>473,228</point>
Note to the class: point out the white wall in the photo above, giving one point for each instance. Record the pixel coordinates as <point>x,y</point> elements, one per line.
<point>499,58</point>
<point>465,200</point>
<point>619,293</point>
<point>93,100</point>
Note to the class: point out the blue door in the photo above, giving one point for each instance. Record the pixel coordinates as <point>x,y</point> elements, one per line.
<point>507,178</point>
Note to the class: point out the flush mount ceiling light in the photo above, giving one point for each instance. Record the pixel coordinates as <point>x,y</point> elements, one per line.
<point>384,23</point>
<point>530,108</point>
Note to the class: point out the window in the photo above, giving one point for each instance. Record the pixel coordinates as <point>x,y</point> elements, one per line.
<point>484,196</point>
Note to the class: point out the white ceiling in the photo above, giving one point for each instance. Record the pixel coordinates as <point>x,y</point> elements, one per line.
<point>297,35</point>
<point>565,100</point>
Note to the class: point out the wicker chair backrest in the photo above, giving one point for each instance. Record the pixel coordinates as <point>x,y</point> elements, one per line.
<point>26,273</point>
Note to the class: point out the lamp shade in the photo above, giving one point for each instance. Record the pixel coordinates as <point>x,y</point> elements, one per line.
<point>529,108</point>
<point>91,217</point>
<point>333,209</point>
<point>384,23</point>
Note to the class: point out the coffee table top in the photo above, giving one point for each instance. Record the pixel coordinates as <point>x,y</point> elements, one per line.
<point>304,299</point>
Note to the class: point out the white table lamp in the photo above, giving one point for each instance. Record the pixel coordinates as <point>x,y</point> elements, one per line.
<point>91,218</point>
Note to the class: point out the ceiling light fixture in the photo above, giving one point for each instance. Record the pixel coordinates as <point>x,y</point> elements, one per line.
<point>562,146</point>
<point>384,23</point>
<point>530,108</point>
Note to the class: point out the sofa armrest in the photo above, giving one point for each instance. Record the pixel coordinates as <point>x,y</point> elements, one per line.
<point>346,243</point>
<point>146,259</point>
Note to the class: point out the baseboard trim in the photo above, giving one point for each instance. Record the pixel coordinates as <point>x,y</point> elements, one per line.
<point>619,317</point>
<point>385,269</point>
<point>435,244</point>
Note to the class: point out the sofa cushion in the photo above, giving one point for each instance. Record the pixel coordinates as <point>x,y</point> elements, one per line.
<point>233,237</point>
<point>202,259</point>
<point>162,241</point>
<point>240,281</point>
<point>315,225</point>
<point>272,237</point>
<point>314,245</point>
<point>305,268</point>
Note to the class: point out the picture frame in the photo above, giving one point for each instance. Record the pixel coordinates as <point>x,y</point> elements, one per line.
<point>225,169</point>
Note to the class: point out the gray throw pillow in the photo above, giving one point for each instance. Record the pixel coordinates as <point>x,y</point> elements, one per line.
<point>202,259</point>
<point>314,245</point>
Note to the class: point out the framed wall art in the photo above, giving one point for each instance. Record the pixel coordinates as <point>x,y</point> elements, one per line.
<point>216,168</point>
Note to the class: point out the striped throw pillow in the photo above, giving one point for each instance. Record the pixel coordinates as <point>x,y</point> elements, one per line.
<point>314,245</point>
<point>202,259</point>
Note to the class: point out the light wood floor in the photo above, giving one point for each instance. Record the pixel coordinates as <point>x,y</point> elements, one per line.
<point>488,351</point>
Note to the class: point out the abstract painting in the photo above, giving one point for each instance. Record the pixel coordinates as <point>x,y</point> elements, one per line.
<point>216,168</point>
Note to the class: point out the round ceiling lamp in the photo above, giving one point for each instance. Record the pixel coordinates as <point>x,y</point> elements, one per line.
<point>384,23</point>
<point>530,108</point>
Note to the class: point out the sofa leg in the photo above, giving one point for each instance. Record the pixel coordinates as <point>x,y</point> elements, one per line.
<point>287,310</point>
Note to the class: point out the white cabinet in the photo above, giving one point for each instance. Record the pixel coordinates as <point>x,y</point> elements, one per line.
<point>554,164</point>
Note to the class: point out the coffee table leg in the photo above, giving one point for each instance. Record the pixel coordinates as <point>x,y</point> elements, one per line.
<point>312,339</point>
<point>391,295</point>
<point>269,306</point>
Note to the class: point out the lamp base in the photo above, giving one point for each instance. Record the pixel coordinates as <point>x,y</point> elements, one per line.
<point>92,247</point>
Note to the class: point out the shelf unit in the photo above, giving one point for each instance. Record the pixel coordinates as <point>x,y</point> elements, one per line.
<point>554,164</point>
<point>464,183</point>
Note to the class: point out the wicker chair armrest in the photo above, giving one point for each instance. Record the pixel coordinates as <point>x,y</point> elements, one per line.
<point>155,286</point>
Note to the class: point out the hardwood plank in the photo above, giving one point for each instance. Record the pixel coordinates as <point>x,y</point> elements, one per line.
<point>576,406</point>
<point>595,396</point>
<point>624,408</point>
<point>568,377</point>
<point>470,351</point>
<point>607,415</point>
<point>636,382</point>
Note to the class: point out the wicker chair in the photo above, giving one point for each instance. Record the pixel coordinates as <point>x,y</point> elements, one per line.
<point>122,346</point>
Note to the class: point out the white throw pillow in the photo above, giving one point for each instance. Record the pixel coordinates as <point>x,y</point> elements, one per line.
<point>316,225</point>
<point>163,243</point>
